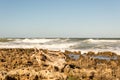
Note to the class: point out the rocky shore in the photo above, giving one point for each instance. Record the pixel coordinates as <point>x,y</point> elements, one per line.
<point>43,64</point>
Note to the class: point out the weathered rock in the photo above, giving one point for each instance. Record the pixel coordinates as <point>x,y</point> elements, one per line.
<point>43,64</point>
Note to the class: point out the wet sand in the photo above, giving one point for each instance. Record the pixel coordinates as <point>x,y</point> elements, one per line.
<point>43,64</point>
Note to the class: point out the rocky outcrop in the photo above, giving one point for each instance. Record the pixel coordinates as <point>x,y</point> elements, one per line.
<point>43,64</point>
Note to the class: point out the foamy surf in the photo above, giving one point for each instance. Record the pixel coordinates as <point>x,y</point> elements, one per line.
<point>101,41</point>
<point>32,40</point>
<point>81,44</point>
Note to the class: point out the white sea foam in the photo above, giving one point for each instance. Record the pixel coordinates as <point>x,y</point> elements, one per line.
<point>32,40</point>
<point>83,45</point>
<point>99,41</point>
<point>45,46</point>
<point>36,43</point>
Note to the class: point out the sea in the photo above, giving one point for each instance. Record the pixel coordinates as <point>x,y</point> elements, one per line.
<point>73,44</point>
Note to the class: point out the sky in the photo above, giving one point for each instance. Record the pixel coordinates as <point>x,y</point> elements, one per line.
<point>60,18</point>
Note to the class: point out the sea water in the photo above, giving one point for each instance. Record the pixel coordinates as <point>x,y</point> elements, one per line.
<point>79,44</point>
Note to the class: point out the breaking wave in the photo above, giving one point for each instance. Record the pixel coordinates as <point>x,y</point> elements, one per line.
<point>101,41</point>
<point>81,44</point>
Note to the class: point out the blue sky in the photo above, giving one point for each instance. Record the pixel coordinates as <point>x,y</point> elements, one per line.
<point>60,18</point>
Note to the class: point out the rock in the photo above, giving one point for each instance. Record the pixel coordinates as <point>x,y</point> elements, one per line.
<point>44,64</point>
<point>90,53</point>
<point>107,53</point>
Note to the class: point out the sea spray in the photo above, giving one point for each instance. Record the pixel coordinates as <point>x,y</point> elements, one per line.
<point>82,44</point>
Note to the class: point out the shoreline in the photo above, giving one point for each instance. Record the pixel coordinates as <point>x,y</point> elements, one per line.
<point>44,64</point>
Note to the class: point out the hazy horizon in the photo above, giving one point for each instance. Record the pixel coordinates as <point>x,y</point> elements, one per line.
<point>59,18</point>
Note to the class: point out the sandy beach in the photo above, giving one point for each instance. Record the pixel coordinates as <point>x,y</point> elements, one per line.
<point>43,64</point>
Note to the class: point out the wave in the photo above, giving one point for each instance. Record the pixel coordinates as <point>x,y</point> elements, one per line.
<point>32,40</point>
<point>64,43</point>
<point>101,41</point>
<point>61,46</point>
<point>57,43</point>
